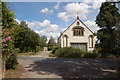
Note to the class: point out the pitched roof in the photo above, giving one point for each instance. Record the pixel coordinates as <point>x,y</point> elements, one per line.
<point>73,23</point>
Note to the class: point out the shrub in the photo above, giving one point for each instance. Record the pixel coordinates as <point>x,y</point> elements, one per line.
<point>107,56</point>
<point>103,55</point>
<point>39,48</point>
<point>90,55</point>
<point>50,48</point>
<point>16,50</point>
<point>55,50</point>
<point>11,62</point>
<point>68,52</point>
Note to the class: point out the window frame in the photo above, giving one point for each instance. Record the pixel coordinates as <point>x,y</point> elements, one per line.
<point>78,31</point>
<point>91,37</point>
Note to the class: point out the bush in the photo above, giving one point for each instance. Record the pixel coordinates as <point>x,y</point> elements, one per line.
<point>11,62</point>
<point>50,48</point>
<point>107,56</point>
<point>16,50</point>
<point>55,50</point>
<point>68,52</point>
<point>90,55</point>
<point>103,55</point>
<point>39,48</point>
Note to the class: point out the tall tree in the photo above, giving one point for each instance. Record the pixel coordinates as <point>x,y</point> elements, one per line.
<point>107,19</point>
<point>51,42</point>
<point>26,39</point>
<point>44,37</point>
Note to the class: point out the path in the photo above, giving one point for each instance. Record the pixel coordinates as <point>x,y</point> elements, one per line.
<point>44,67</point>
<point>44,54</point>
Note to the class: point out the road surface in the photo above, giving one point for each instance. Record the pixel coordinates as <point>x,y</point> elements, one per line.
<point>41,66</point>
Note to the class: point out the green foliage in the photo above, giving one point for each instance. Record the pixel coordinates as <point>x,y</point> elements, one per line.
<point>17,38</point>
<point>11,62</point>
<point>69,52</point>
<point>42,42</point>
<point>39,48</point>
<point>8,48</point>
<point>90,55</point>
<point>27,40</point>
<point>108,16</point>
<point>51,44</point>
<point>108,20</point>
<point>7,17</point>
<point>44,38</point>
<point>50,48</point>
<point>55,49</point>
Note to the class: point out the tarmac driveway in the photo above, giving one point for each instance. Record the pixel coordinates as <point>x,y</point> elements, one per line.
<point>45,67</point>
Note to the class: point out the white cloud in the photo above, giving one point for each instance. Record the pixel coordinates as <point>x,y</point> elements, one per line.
<point>46,10</point>
<point>92,25</point>
<point>48,28</point>
<point>48,33</point>
<point>38,24</point>
<point>57,5</point>
<point>63,29</point>
<point>17,21</point>
<point>37,31</point>
<point>72,9</point>
<point>83,9</point>
<point>63,16</point>
<point>51,11</point>
<point>94,3</point>
<point>45,23</point>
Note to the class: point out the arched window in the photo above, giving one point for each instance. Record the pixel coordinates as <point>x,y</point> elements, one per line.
<point>65,40</point>
<point>91,41</point>
<point>78,31</point>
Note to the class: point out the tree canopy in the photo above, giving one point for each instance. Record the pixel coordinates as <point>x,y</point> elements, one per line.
<point>51,42</point>
<point>108,16</point>
<point>108,19</point>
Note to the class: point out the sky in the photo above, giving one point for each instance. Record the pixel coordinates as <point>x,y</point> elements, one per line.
<point>52,18</point>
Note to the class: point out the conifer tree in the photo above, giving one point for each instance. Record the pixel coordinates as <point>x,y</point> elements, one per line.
<point>107,19</point>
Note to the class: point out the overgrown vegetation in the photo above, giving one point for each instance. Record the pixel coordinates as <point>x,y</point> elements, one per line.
<point>69,52</point>
<point>17,38</point>
<point>11,62</point>
<point>8,47</point>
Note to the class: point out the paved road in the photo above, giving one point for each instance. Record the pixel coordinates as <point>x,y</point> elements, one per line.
<point>43,67</point>
<point>44,54</point>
